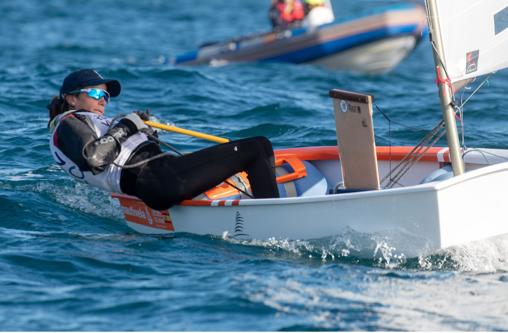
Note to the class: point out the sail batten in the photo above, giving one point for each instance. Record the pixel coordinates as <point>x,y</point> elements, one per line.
<point>474,35</point>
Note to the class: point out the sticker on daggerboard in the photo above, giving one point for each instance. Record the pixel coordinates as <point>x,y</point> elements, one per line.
<point>343,106</point>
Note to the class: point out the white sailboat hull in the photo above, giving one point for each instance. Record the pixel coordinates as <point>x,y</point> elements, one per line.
<point>473,206</point>
<point>438,214</point>
<point>415,220</point>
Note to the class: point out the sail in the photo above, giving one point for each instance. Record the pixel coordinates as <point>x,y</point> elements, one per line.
<point>474,35</point>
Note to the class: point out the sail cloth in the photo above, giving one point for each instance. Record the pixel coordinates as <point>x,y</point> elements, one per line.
<point>474,35</point>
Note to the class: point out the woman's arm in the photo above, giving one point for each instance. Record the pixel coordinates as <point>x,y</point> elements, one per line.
<point>79,142</point>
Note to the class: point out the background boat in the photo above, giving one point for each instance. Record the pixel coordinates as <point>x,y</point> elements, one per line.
<point>372,44</point>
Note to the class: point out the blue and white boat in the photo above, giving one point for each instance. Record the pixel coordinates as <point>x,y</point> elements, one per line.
<point>371,44</point>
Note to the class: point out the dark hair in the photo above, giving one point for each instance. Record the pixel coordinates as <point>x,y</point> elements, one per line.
<point>57,106</point>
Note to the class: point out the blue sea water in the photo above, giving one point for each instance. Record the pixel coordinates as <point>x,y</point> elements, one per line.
<point>68,262</point>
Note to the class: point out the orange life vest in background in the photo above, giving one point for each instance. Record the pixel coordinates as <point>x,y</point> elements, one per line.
<point>292,11</point>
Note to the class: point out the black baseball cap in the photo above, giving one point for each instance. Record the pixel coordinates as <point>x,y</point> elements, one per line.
<point>88,77</point>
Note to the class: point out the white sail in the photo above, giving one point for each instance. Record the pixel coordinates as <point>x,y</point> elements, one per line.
<point>474,35</point>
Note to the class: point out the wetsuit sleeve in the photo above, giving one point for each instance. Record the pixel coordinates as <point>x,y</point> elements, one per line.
<point>71,136</point>
<point>75,137</point>
<point>104,150</point>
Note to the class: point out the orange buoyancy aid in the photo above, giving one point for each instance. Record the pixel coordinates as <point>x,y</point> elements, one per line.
<point>292,13</point>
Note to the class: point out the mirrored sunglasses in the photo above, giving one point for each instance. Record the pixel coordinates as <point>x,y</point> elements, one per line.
<point>94,93</point>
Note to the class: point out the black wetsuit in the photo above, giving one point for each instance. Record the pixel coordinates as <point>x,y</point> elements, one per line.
<point>167,180</point>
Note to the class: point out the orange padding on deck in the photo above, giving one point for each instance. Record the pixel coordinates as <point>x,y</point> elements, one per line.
<point>395,153</point>
<point>299,170</point>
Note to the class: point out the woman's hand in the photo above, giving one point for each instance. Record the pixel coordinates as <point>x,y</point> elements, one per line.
<point>144,115</point>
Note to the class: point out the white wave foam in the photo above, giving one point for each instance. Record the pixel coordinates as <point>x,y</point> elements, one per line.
<point>483,256</point>
<point>490,255</point>
<point>349,244</point>
<point>83,197</point>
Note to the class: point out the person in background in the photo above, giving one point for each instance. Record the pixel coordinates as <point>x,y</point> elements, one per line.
<point>123,155</point>
<point>275,13</point>
<point>317,12</point>
<point>286,14</point>
<point>311,4</point>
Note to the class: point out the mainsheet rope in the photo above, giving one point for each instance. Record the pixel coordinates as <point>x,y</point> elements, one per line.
<point>395,174</point>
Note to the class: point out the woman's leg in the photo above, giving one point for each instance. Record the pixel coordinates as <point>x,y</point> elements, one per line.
<point>167,181</point>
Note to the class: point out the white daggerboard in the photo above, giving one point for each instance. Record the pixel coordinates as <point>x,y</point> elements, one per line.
<point>474,35</point>
<point>355,138</point>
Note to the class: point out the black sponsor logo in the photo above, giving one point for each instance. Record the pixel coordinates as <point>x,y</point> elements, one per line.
<point>239,233</point>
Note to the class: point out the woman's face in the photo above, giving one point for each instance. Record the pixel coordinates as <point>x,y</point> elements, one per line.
<point>84,102</point>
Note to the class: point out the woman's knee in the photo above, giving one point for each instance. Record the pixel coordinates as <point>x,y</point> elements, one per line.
<point>261,144</point>
<point>265,144</point>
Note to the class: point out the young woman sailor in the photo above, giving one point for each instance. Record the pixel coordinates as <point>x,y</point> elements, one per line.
<point>123,156</point>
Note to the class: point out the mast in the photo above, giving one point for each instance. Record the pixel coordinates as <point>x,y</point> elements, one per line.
<point>445,92</point>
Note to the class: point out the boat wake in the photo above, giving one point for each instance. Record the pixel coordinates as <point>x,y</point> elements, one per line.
<point>351,247</point>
